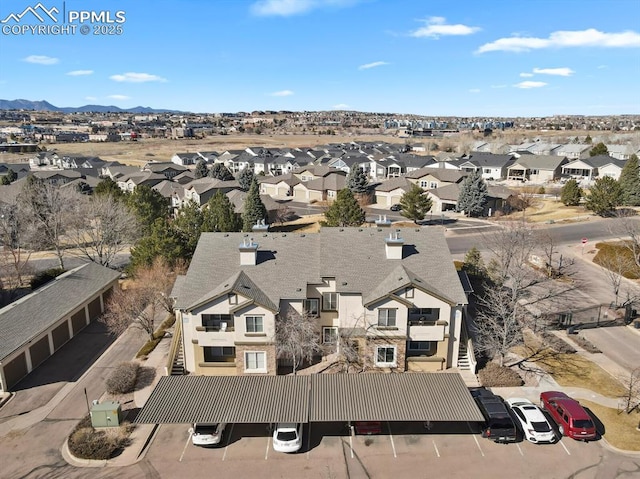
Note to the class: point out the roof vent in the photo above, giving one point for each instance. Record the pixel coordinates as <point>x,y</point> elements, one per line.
<point>260,226</point>
<point>383,222</point>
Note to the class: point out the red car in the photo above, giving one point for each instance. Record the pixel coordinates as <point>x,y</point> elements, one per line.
<point>368,427</point>
<point>572,419</point>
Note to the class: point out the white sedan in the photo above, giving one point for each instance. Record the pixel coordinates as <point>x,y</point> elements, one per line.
<point>203,434</point>
<point>287,437</point>
<point>533,422</point>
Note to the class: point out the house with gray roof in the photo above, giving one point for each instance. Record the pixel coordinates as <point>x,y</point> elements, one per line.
<point>167,168</point>
<point>429,178</point>
<point>446,197</point>
<point>586,170</point>
<point>536,168</point>
<point>324,188</point>
<point>35,326</point>
<point>492,167</point>
<point>389,192</point>
<point>394,295</point>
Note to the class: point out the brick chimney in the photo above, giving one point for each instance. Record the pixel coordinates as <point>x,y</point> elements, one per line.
<point>393,246</point>
<point>248,252</point>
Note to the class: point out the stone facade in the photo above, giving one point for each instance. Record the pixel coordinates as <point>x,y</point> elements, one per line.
<point>370,351</point>
<point>271,362</point>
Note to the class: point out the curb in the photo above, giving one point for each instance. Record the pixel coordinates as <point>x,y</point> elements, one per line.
<point>76,461</point>
<point>607,445</point>
<point>9,396</point>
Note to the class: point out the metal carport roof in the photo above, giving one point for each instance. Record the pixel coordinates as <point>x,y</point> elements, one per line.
<point>316,398</point>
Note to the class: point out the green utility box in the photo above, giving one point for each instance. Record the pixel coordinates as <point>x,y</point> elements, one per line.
<point>106,414</point>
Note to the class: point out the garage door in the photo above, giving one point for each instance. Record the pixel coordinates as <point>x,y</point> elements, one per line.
<point>300,194</point>
<point>94,309</point>
<point>60,335</point>
<point>381,200</point>
<point>15,370</point>
<point>78,321</point>
<point>39,351</point>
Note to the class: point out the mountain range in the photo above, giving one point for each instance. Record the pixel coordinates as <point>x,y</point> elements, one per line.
<point>44,105</point>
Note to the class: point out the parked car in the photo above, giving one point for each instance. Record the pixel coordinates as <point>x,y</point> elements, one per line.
<point>533,422</point>
<point>205,434</point>
<point>572,419</point>
<point>287,437</point>
<point>498,425</point>
<point>396,207</point>
<point>368,427</point>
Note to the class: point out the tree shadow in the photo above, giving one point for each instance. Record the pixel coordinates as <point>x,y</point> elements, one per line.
<point>145,377</point>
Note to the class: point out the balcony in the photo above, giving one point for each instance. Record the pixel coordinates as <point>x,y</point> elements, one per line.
<point>427,330</point>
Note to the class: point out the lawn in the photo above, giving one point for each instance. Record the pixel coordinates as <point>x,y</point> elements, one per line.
<point>620,428</point>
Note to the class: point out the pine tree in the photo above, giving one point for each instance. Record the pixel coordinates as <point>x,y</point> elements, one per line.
<point>345,210</point>
<point>571,193</point>
<point>188,226</point>
<point>254,209</point>
<point>219,215</point>
<point>599,149</point>
<point>604,196</point>
<point>108,187</point>
<point>245,178</point>
<point>473,195</point>
<point>162,240</point>
<point>220,172</point>
<point>415,204</point>
<point>630,182</point>
<point>357,180</point>
<point>148,205</point>
<point>201,170</point>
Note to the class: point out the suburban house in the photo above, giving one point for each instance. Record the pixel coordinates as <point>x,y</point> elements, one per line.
<point>44,158</point>
<point>185,159</point>
<point>168,169</point>
<point>393,297</point>
<point>588,169</point>
<point>536,168</point>
<point>278,186</point>
<point>128,183</point>
<point>202,190</point>
<point>492,167</point>
<point>35,326</point>
<point>573,151</point>
<point>446,197</point>
<point>57,177</point>
<point>429,178</point>
<point>390,192</point>
<point>324,188</point>
<point>622,152</point>
<point>20,169</point>
<point>115,170</point>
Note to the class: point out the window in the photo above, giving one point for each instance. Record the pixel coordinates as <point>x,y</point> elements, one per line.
<point>218,354</point>
<point>330,335</point>
<point>217,322</point>
<point>329,301</point>
<point>433,185</point>
<point>255,324</point>
<point>421,348</point>
<point>385,356</point>
<point>418,316</point>
<point>424,183</point>
<point>311,306</point>
<point>255,361</point>
<point>408,293</point>
<point>233,298</point>
<point>331,194</point>
<point>386,317</point>
<point>486,171</point>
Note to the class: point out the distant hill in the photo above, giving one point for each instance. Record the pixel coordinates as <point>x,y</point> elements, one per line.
<point>43,105</point>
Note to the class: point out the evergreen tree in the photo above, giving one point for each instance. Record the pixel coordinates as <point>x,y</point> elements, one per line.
<point>474,264</point>
<point>473,195</point>
<point>188,226</point>
<point>357,180</point>
<point>599,149</point>
<point>220,172</point>
<point>588,140</point>
<point>108,187</point>
<point>254,209</point>
<point>10,177</point>
<point>630,182</point>
<point>245,178</point>
<point>201,170</point>
<point>415,204</point>
<point>604,196</point>
<point>162,240</point>
<point>219,215</point>
<point>345,210</point>
<point>148,205</point>
<point>571,193</point>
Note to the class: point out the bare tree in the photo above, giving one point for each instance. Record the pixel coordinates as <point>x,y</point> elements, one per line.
<point>14,259</point>
<point>297,337</point>
<point>631,396</point>
<point>101,227</point>
<point>615,264</point>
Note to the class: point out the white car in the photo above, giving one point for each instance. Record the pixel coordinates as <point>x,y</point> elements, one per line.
<point>287,437</point>
<point>533,422</point>
<point>205,434</point>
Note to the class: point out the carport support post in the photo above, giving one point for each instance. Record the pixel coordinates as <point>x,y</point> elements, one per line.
<point>87,398</point>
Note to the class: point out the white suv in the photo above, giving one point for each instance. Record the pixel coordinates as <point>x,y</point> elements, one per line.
<point>203,434</point>
<point>533,422</point>
<point>287,437</point>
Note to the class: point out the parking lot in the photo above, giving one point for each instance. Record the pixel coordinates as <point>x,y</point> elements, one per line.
<point>403,450</point>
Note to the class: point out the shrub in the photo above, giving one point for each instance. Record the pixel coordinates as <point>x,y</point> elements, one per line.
<point>541,190</point>
<point>557,343</point>
<point>123,379</point>
<point>86,442</point>
<point>494,375</point>
<point>43,277</point>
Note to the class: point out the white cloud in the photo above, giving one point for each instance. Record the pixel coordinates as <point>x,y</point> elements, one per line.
<point>119,97</point>
<point>366,66</point>
<point>77,73</point>
<point>282,93</point>
<point>563,72</point>
<point>41,60</point>
<point>437,26</point>
<point>341,106</point>
<point>530,84</point>
<point>564,39</point>
<point>474,90</point>
<point>132,77</point>
<point>526,75</point>
<point>286,8</point>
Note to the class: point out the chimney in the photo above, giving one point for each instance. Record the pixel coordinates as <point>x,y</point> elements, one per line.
<point>260,227</point>
<point>393,246</point>
<point>248,252</point>
<point>383,222</point>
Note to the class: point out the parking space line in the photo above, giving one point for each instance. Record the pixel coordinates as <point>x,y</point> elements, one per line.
<point>436,448</point>
<point>228,441</point>
<point>351,441</point>
<point>266,452</point>
<point>478,444</point>
<point>518,446</point>
<point>393,446</point>
<point>184,449</point>
<point>565,447</point>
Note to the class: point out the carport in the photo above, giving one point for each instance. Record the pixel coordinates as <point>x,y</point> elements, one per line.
<point>316,398</point>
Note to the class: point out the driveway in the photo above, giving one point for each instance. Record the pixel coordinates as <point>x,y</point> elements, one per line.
<point>619,343</point>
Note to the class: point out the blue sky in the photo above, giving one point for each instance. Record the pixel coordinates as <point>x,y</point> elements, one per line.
<point>496,58</point>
